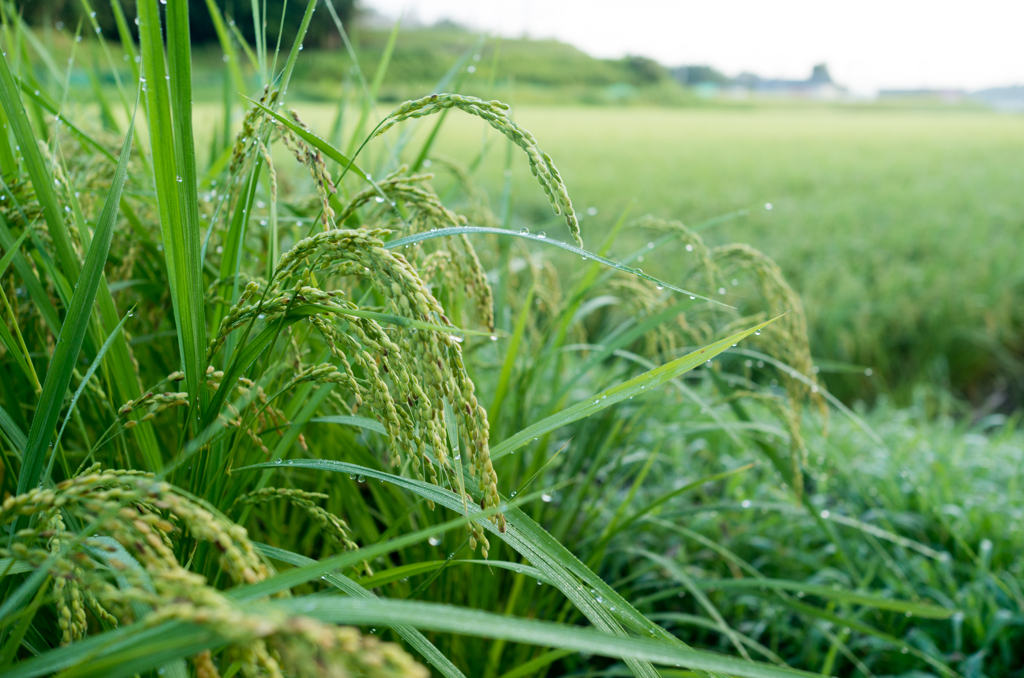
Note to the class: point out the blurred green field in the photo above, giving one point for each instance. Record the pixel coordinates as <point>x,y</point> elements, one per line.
<point>900,229</point>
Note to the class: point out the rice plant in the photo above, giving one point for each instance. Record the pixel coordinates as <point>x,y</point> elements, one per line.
<point>284,409</point>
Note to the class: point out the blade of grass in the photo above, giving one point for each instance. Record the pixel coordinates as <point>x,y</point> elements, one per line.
<point>605,607</point>
<point>175,178</point>
<point>313,140</point>
<point>72,332</point>
<point>38,172</point>
<point>450,619</point>
<point>459,230</point>
<point>416,639</point>
<point>633,387</point>
<point>81,387</point>
<point>680,575</point>
<point>345,420</point>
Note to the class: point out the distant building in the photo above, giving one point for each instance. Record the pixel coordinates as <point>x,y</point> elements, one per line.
<point>819,86</point>
<point>708,82</point>
<point>1007,99</point>
<point>947,96</point>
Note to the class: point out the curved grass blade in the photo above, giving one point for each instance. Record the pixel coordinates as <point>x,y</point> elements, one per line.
<point>460,230</point>
<point>694,620</point>
<point>923,610</point>
<point>451,619</point>
<point>416,639</point>
<point>427,566</point>
<point>313,140</point>
<point>345,420</point>
<point>633,387</point>
<point>680,575</point>
<point>605,608</point>
<point>835,402</point>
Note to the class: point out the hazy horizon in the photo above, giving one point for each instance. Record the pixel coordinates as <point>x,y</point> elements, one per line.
<point>868,46</point>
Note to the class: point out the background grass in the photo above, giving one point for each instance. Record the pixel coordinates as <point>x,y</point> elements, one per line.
<point>898,229</point>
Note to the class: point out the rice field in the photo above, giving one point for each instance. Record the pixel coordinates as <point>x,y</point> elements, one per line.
<point>899,228</point>
<point>286,396</point>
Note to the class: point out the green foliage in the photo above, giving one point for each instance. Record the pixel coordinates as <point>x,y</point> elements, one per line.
<point>268,365</point>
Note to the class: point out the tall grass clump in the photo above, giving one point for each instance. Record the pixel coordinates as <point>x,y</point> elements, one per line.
<point>279,409</point>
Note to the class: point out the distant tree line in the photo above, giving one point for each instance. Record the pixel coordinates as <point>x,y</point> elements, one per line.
<point>322,31</point>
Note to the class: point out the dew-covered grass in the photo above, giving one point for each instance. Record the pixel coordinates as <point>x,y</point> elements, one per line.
<point>279,408</point>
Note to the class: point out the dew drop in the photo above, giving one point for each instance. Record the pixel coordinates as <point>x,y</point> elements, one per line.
<point>745,503</point>
<point>524,231</point>
<point>278,460</point>
<point>546,498</point>
<point>689,248</point>
<point>768,206</point>
<point>825,514</point>
<point>542,234</point>
<point>361,479</point>
<point>379,199</point>
<point>434,541</point>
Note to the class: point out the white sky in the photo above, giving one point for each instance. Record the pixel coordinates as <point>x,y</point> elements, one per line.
<point>868,44</point>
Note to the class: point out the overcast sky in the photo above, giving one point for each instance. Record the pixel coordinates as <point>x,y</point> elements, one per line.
<point>868,44</point>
